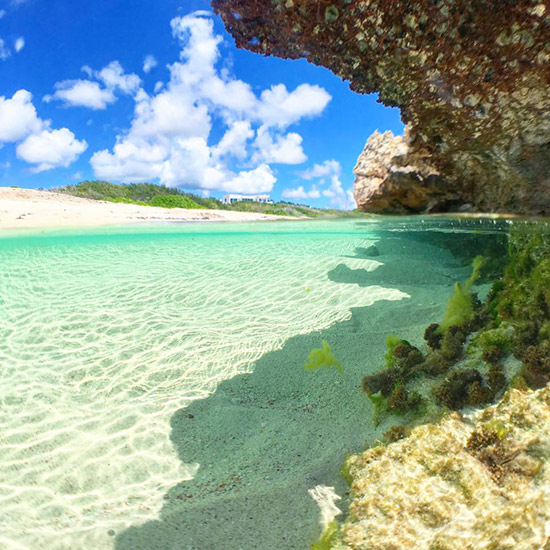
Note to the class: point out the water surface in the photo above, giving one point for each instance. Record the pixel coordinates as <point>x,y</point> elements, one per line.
<point>108,336</point>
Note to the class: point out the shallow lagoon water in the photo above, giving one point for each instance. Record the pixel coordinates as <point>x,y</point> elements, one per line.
<point>152,387</point>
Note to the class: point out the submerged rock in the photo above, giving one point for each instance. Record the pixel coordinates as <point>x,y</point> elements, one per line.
<point>471,80</point>
<point>462,483</point>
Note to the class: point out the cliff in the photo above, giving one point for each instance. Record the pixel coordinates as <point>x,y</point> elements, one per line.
<point>471,80</point>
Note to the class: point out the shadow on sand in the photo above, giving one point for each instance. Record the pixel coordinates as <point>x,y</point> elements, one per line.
<point>263,439</point>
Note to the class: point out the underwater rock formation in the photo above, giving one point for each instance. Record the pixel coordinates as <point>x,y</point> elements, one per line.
<point>471,80</point>
<point>482,482</point>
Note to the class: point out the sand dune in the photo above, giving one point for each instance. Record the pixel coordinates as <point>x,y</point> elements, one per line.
<point>30,208</point>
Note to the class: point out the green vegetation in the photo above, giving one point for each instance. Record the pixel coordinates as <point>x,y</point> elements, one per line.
<point>322,357</point>
<point>149,194</point>
<point>394,390</point>
<point>328,538</point>
<point>173,201</point>
<point>515,319</point>
<point>460,308</point>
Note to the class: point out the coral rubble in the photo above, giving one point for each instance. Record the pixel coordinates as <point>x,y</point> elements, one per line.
<point>471,80</point>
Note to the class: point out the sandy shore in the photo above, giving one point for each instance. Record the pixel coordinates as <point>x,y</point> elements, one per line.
<point>30,208</point>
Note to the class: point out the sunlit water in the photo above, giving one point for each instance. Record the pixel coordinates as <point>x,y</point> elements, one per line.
<point>105,334</point>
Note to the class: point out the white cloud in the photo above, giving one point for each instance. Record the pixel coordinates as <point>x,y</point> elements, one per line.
<point>234,141</point>
<point>82,93</point>
<point>4,50</point>
<point>2,13</point>
<point>88,70</point>
<point>18,117</point>
<point>91,93</point>
<point>114,77</point>
<point>170,138</point>
<point>299,193</point>
<point>339,197</point>
<point>167,115</point>
<point>149,63</point>
<point>19,44</point>
<point>41,145</point>
<point>50,149</point>
<point>327,169</point>
<point>261,180</point>
<point>158,86</point>
<point>278,107</point>
<point>330,172</point>
<point>283,149</point>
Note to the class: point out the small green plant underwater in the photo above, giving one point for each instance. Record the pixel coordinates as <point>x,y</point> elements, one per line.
<point>322,357</point>
<point>328,538</point>
<point>460,308</point>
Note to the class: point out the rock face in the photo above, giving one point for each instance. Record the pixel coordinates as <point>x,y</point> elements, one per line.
<point>471,80</point>
<point>468,484</point>
<point>393,179</point>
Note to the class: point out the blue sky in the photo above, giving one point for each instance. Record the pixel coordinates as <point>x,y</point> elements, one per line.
<point>156,91</point>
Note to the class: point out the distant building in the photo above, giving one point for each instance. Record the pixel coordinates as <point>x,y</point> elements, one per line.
<point>231,199</point>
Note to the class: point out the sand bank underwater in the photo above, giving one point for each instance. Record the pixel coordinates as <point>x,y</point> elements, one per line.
<point>249,452</point>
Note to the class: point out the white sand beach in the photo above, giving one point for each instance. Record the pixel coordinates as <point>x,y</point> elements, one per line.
<point>31,209</point>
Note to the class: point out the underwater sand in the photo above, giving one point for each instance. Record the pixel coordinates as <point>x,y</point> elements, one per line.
<point>152,389</point>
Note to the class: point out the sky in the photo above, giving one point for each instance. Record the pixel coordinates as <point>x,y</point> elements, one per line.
<point>155,91</point>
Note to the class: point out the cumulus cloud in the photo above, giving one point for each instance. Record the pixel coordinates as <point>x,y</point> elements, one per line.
<point>327,175</point>
<point>82,93</point>
<point>149,63</point>
<point>41,145</point>
<point>170,138</point>
<point>328,168</point>
<point>50,149</point>
<point>234,141</point>
<point>299,193</point>
<point>19,44</point>
<point>114,78</point>
<point>279,107</point>
<point>96,94</point>
<point>339,197</point>
<point>285,149</point>
<point>18,117</point>
<point>261,179</point>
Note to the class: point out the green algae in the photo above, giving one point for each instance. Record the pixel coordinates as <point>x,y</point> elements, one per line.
<point>328,538</point>
<point>322,357</point>
<point>460,308</point>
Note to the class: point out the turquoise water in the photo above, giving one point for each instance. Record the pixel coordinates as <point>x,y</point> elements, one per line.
<point>108,335</point>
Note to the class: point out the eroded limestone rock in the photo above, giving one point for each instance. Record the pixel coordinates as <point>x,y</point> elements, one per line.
<point>471,80</point>
<point>482,482</point>
<point>392,178</point>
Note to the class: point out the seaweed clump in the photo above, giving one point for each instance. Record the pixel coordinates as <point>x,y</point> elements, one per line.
<point>461,388</point>
<point>536,365</point>
<point>390,389</point>
<point>514,320</point>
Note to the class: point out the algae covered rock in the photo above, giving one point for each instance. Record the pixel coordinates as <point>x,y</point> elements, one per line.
<point>481,482</point>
